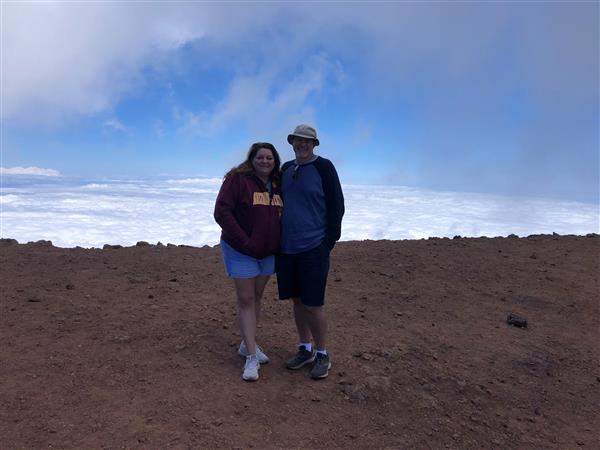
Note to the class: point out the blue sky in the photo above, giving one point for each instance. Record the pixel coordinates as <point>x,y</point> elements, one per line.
<point>492,97</point>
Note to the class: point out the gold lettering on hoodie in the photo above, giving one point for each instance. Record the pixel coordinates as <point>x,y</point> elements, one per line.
<point>262,198</point>
<point>276,200</point>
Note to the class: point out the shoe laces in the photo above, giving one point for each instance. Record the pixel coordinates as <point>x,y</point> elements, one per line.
<point>321,357</point>
<point>251,362</point>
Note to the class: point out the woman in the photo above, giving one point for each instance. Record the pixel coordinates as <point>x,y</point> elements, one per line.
<point>248,208</point>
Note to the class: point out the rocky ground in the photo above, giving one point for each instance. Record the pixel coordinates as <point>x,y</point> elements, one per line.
<point>136,348</point>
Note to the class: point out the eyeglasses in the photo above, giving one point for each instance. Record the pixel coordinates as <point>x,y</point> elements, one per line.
<point>295,172</point>
<point>301,140</point>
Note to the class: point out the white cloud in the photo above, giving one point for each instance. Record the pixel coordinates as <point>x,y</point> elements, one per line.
<point>153,211</point>
<point>36,171</point>
<point>115,125</point>
<point>80,58</point>
<point>69,59</point>
<point>254,100</point>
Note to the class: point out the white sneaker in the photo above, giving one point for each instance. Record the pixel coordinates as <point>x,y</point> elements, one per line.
<point>262,358</point>
<point>251,368</point>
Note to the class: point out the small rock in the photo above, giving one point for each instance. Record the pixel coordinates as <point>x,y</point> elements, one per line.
<point>34,299</point>
<point>42,243</point>
<point>353,392</point>
<point>142,244</point>
<point>516,321</point>
<point>111,247</point>
<point>70,287</point>
<point>377,382</point>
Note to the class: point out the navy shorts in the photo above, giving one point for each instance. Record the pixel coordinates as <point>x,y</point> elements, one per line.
<point>303,275</point>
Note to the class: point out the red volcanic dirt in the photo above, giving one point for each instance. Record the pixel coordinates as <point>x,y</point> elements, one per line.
<point>136,348</point>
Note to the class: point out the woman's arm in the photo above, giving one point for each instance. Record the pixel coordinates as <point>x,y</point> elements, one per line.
<point>225,205</point>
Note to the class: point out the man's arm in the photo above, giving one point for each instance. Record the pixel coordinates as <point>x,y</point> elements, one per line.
<point>334,200</point>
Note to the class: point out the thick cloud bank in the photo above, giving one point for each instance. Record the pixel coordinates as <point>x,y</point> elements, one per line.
<point>179,211</point>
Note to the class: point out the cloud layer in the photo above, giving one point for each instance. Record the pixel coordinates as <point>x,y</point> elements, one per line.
<point>179,211</point>
<point>29,171</point>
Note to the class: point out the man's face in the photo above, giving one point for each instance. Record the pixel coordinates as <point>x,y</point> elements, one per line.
<point>303,148</point>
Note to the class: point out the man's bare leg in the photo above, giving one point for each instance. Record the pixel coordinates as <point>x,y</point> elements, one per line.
<point>317,323</point>
<point>302,320</point>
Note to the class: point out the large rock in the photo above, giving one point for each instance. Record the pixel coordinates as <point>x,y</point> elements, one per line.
<point>4,242</point>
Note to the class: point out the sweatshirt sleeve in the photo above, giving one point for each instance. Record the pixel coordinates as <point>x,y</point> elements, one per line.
<point>224,211</point>
<point>334,201</point>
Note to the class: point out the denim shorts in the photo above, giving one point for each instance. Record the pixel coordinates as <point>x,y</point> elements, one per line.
<point>238,265</point>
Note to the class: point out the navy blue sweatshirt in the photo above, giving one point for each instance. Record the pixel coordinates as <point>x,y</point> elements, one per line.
<point>314,205</point>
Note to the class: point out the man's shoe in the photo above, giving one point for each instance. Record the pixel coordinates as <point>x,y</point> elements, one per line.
<point>262,358</point>
<point>302,358</point>
<point>251,368</point>
<point>321,368</point>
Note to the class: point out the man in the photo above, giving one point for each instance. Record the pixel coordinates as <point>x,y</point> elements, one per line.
<point>311,225</point>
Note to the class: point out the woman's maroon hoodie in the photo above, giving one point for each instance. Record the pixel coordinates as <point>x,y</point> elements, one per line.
<point>249,215</point>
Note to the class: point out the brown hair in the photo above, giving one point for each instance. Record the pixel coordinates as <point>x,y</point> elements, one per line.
<point>246,166</point>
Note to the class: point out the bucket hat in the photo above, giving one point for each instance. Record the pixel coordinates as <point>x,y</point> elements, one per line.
<point>304,131</point>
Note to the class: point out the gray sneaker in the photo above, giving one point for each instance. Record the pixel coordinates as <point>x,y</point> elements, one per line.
<point>262,357</point>
<point>302,358</point>
<point>321,368</point>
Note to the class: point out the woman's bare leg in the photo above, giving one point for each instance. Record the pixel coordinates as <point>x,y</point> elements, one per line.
<point>246,304</point>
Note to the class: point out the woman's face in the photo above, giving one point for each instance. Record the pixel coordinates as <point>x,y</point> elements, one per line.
<point>263,162</point>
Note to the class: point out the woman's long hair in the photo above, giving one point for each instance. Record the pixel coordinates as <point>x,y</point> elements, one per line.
<point>246,166</point>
